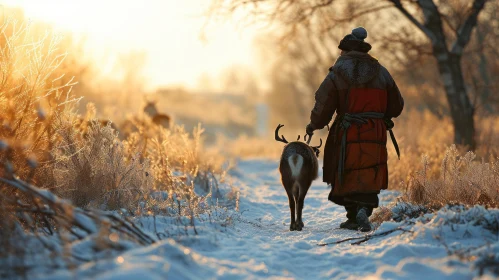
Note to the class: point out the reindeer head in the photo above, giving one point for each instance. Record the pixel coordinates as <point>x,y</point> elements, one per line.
<point>282,139</point>
<point>150,108</point>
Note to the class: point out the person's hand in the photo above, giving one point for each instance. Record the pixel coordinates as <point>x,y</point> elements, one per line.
<point>310,129</point>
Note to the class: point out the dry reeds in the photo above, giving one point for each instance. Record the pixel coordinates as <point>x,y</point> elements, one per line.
<point>462,180</point>
<point>93,171</point>
<point>80,166</point>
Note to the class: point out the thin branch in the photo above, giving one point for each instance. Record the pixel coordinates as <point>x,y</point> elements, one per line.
<point>464,31</point>
<point>446,19</point>
<point>363,12</point>
<point>86,220</point>
<point>367,237</point>
<point>411,18</point>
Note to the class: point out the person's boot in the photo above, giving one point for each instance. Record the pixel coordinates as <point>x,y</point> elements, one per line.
<point>363,220</point>
<point>349,224</point>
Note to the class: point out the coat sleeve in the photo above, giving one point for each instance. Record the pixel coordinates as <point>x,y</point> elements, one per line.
<point>395,101</point>
<point>326,101</point>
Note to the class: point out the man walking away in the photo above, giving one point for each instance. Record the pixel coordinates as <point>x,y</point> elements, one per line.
<point>365,98</point>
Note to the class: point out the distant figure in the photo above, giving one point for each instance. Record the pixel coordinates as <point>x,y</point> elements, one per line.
<point>160,119</point>
<point>365,98</point>
<point>150,108</point>
<point>136,123</point>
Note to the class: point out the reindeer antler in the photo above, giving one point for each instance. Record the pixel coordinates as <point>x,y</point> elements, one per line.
<point>320,145</point>
<point>277,138</point>
<point>315,148</point>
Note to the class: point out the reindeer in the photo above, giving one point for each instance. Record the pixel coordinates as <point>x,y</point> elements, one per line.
<point>298,167</point>
<point>134,122</point>
<point>163,120</point>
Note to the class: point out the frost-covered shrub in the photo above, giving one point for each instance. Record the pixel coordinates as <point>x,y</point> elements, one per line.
<point>462,180</point>
<point>52,159</point>
<point>404,210</point>
<point>186,175</point>
<point>476,216</point>
<point>94,170</point>
<point>33,95</point>
<point>398,211</point>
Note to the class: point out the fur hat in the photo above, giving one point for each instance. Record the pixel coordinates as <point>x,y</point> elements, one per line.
<point>355,41</point>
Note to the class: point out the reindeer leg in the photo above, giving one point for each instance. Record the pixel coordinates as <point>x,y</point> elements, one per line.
<point>291,200</point>
<point>299,221</point>
<point>295,189</point>
<point>300,202</point>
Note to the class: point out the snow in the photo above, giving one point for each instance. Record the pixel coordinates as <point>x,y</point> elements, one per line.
<point>255,243</point>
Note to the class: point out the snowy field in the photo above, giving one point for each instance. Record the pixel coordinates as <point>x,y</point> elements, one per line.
<point>255,243</point>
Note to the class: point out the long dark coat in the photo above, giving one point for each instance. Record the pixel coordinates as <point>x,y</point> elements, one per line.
<point>356,83</point>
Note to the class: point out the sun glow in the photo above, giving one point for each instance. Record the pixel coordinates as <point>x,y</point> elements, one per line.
<point>169,32</point>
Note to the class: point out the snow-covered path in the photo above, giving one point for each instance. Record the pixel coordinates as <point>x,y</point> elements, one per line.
<point>262,244</point>
<point>264,227</point>
<point>257,244</point>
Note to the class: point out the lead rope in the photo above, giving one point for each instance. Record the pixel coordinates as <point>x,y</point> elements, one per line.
<point>389,126</point>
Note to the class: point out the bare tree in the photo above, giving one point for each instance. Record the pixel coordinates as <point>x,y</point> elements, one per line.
<point>483,59</point>
<point>431,17</point>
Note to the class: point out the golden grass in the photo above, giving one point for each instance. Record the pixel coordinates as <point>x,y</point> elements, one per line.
<point>95,171</point>
<point>44,142</point>
<point>32,99</point>
<point>462,180</point>
<point>434,172</point>
<point>179,162</point>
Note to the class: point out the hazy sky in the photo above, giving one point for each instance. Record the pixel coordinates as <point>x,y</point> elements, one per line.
<point>168,31</point>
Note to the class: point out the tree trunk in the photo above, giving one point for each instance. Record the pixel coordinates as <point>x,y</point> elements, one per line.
<point>461,109</point>
<point>449,63</point>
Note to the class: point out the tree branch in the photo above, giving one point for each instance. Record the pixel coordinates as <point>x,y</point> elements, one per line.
<point>446,19</point>
<point>411,18</point>
<point>370,236</point>
<point>464,31</point>
<point>362,13</point>
<point>70,216</point>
